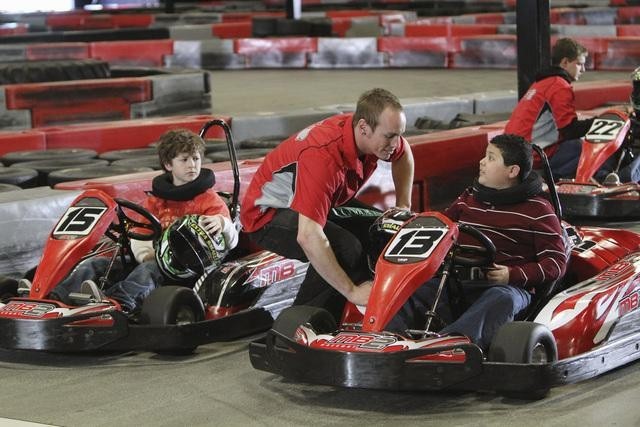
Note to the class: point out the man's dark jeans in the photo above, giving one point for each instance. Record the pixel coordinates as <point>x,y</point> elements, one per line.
<point>349,238</point>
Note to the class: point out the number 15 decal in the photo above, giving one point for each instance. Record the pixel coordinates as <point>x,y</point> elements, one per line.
<point>78,221</point>
<point>414,243</point>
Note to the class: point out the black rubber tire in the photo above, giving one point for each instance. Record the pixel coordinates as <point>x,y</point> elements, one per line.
<point>128,153</point>
<point>290,318</point>
<point>4,188</point>
<point>8,288</point>
<point>262,142</point>
<point>214,145</point>
<point>45,167</point>
<point>516,342</point>
<point>53,154</point>
<point>22,177</point>
<point>152,162</point>
<point>171,305</point>
<point>75,174</point>
<point>293,27</point>
<point>250,153</point>
<point>263,26</point>
<point>52,71</point>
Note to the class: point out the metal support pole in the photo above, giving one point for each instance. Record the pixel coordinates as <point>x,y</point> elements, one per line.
<point>533,32</point>
<point>294,9</point>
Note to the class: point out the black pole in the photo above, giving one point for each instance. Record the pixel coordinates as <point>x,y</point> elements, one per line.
<point>294,9</point>
<point>533,32</point>
<point>169,6</point>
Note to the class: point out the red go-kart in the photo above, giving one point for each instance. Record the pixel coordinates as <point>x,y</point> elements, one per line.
<point>612,132</point>
<point>239,298</point>
<point>583,325</point>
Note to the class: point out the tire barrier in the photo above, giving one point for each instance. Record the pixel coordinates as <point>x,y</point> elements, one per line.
<point>51,154</point>
<point>151,161</point>
<point>243,154</point>
<point>19,176</point>
<point>75,174</point>
<point>263,142</point>
<point>128,153</point>
<point>52,71</point>
<point>88,36</point>
<point>45,167</point>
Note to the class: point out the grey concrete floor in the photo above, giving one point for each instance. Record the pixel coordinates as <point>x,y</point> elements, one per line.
<point>218,387</point>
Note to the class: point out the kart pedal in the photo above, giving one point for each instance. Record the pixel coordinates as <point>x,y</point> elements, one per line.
<point>24,287</point>
<point>89,292</point>
<point>611,179</point>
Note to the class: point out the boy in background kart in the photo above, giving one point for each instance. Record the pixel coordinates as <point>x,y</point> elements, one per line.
<point>184,188</point>
<point>507,204</point>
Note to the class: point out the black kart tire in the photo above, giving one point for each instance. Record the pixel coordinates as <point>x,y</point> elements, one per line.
<point>45,167</point>
<point>128,153</point>
<point>75,174</point>
<point>291,318</point>
<point>527,343</point>
<point>263,142</point>
<point>251,153</point>
<point>21,177</point>
<point>52,71</point>
<point>52,154</point>
<point>8,289</point>
<point>171,305</point>
<point>151,161</point>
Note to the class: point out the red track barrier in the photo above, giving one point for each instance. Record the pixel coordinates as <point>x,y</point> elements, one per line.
<point>21,140</point>
<point>233,30</point>
<point>136,52</point>
<point>124,134</point>
<point>73,101</point>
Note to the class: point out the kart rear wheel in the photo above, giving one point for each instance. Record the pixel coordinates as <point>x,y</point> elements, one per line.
<point>172,305</point>
<point>524,342</point>
<point>8,289</point>
<point>290,318</point>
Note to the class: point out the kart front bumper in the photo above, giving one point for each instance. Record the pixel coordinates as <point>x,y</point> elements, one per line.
<point>402,371</point>
<point>115,332</point>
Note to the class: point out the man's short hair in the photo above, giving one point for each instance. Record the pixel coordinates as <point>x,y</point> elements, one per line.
<point>372,103</point>
<point>566,48</point>
<point>515,150</point>
<point>177,141</point>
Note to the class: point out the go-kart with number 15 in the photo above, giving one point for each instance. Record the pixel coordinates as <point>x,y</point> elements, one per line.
<point>238,298</point>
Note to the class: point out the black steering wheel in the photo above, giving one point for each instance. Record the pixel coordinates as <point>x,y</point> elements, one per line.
<point>150,224</point>
<point>474,256</point>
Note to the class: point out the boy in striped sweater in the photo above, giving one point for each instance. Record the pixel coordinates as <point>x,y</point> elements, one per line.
<point>506,204</point>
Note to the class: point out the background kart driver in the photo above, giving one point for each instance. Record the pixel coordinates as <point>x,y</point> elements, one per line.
<point>184,188</point>
<point>546,115</point>
<point>287,205</point>
<point>507,204</point>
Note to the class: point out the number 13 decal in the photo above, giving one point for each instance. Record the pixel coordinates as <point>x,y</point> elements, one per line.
<point>415,243</point>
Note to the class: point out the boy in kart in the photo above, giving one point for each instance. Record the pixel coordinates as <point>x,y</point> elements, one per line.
<point>507,204</point>
<point>185,188</point>
<point>546,116</point>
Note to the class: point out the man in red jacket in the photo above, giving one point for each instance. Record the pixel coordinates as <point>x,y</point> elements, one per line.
<point>288,204</point>
<point>507,204</point>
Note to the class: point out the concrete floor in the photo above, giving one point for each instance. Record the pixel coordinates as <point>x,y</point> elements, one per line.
<point>217,386</point>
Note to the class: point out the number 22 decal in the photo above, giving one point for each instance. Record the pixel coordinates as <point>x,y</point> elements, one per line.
<point>416,243</point>
<point>604,129</point>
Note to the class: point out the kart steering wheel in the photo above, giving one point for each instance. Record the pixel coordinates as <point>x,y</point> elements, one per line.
<point>474,257</point>
<point>151,223</point>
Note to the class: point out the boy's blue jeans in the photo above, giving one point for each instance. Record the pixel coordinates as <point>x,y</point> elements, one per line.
<point>129,292</point>
<point>489,310</point>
